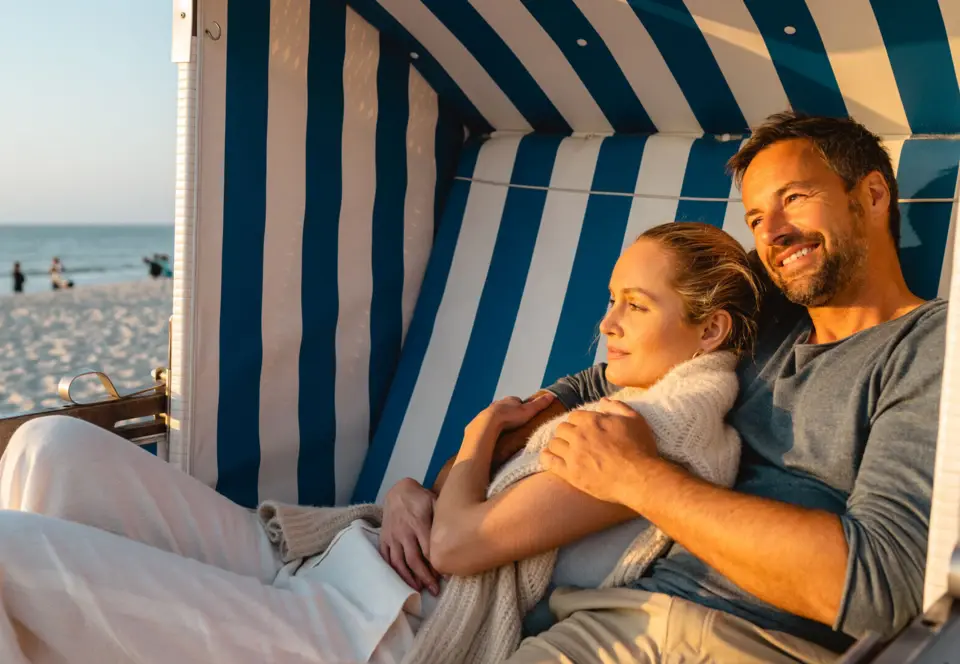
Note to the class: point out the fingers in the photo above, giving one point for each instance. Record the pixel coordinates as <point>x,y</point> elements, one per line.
<point>552,463</point>
<point>395,557</point>
<point>540,402</point>
<point>415,557</point>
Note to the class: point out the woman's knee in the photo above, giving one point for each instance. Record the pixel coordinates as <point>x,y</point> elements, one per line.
<point>53,439</point>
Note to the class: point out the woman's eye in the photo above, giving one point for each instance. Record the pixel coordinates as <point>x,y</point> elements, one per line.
<point>754,222</point>
<point>637,307</point>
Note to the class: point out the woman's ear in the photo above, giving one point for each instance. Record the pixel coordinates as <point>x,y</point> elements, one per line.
<point>715,330</point>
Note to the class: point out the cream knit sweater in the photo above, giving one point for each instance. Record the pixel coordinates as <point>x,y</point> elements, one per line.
<point>478,618</point>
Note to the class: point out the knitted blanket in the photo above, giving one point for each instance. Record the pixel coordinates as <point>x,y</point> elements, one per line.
<point>478,618</point>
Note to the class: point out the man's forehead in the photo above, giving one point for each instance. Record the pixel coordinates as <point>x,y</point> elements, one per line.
<point>785,161</point>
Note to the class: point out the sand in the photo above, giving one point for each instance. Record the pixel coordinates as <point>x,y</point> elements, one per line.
<point>120,329</point>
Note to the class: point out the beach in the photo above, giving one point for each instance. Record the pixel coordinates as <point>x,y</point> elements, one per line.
<point>120,329</point>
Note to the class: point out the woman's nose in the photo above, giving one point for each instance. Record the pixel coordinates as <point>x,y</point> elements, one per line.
<point>608,326</point>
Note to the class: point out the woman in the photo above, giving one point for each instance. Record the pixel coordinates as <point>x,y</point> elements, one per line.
<point>174,571</point>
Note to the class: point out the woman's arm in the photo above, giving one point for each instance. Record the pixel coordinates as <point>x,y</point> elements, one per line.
<point>471,534</point>
<point>510,442</point>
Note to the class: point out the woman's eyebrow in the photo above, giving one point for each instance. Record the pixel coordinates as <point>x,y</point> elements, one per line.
<point>636,289</point>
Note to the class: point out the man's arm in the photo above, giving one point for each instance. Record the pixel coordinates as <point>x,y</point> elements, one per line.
<point>858,571</point>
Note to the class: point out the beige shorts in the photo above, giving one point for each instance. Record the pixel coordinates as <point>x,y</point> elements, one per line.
<point>621,626</point>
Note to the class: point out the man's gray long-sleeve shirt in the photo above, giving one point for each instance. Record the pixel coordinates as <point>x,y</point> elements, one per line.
<point>849,427</point>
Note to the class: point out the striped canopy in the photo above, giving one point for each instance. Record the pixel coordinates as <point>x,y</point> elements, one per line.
<point>355,281</point>
<point>688,66</point>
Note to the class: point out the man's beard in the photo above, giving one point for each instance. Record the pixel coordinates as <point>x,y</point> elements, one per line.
<point>838,267</point>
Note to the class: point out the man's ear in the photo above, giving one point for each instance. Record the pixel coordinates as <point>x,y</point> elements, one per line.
<point>876,195</point>
<point>715,330</point>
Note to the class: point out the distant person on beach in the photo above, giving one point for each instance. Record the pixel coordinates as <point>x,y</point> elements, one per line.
<point>165,265</point>
<point>154,269</point>
<point>57,280</point>
<point>159,266</point>
<point>18,278</point>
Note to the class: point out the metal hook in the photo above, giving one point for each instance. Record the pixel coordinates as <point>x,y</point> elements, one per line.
<point>215,33</point>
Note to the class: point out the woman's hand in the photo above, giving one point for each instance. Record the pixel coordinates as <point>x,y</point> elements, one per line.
<point>405,534</point>
<point>510,413</point>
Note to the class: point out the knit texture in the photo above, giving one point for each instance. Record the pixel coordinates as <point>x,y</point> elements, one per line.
<point>478,618</point>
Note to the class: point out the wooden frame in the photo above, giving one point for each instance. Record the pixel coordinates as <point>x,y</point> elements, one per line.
<point>112,415</point>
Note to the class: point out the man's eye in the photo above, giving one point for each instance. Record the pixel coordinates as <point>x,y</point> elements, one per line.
<point>754,222</point>
<point>793,197</point>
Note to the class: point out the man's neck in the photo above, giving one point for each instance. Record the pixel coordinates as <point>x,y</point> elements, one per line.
<point>861,308</point>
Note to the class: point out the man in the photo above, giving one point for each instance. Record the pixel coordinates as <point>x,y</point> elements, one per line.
<point>823,538</point>
<point>18,278</point>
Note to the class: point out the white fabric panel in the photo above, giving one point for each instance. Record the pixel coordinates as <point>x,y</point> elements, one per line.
<point>355,271</point>
<point>733,220</point>
<point>662,168</point>
<point>945,508</point>
<point>642,65</point>
<point>894,147</point>
<point>546,63</point>
<point>199,454</point>
<point>441,364</point>
<point>741,54</point>
<point>418,207</point>
<point>180,376</point>
<point>462,67</point>
<point>550,268</point>
<point>875,99</point>
<point>950,10</point>
<point>946,271</point>
<point>281,319</point>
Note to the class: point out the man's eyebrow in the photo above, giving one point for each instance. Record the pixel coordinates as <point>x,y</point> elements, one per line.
<point>778,193</point>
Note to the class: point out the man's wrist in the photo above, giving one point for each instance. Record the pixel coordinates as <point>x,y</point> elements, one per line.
<point>637,484</point>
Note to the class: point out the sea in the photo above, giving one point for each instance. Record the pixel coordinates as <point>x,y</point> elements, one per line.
<point>90,254</point>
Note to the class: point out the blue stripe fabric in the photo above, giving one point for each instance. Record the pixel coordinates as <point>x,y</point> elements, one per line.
<point>432,70</point>
<point>706,177</point>
<point>928,169</point>
<point>916,41</point>
<point>601,239</point>
<point>244,222</point>
<point>502,291</point>
<point>690,60</point>
<point>419,334</point>
<point>320,301</point>
<point>499,61</point>
<point>801,58</point>
<point>386,312</point>
<point>594,64</point>
<point>448,139</point>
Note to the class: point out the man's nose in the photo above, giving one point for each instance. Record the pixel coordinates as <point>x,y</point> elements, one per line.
<point>772,229</point>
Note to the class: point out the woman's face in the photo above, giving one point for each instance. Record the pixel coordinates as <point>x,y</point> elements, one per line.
<point>646,330</point>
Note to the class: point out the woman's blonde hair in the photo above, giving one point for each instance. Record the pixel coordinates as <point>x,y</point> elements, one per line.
<point>712,272</point>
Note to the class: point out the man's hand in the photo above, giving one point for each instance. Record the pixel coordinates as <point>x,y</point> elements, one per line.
<point>405,534</point>
<point>601,453</point>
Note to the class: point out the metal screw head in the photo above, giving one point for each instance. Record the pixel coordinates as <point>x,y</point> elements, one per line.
<point>183,14</point>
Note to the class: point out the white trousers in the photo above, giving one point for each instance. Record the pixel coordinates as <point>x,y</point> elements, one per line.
<point>108,554</point>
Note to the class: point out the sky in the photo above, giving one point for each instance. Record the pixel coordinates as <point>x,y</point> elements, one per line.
<point>88,112</point>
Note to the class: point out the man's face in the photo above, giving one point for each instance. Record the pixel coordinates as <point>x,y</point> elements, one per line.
<point>809,231</point>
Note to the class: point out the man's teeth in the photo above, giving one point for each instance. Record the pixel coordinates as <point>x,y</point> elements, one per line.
<point>792,257</point>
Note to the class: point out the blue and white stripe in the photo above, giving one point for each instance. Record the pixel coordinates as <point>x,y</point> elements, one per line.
<point>330,148</point>
<point>517,281</point>
<point>321,251</point>
<point>692,66</point>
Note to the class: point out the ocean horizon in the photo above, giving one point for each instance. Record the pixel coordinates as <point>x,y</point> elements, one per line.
<point>101,253</point>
